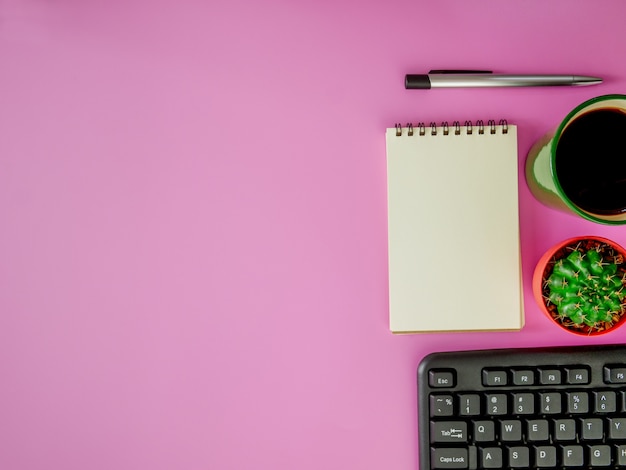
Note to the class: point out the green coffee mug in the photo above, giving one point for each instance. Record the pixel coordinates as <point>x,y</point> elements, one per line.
<point>581,167</point>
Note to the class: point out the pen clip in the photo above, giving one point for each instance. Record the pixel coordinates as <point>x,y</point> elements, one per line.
<point>459,71</point>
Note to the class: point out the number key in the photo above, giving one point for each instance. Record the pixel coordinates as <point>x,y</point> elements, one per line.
<point>496,404</point>
<point>577,402</point>
<point>606,402</point>
<point>469,404</point>
<point>550,403</point>
<point>523,403</point>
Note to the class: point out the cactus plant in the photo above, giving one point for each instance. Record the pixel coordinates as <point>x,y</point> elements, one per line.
<point>584,286</point>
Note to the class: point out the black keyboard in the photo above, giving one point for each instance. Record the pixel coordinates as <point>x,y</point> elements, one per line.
<point>550,408</point>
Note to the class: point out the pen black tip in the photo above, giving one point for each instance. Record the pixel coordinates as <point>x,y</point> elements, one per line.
<point>416,82</point>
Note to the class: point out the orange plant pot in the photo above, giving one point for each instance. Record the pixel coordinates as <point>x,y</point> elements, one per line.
<point>540,273</point>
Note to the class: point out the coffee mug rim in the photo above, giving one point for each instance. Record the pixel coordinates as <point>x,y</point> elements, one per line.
<point>553,146</point>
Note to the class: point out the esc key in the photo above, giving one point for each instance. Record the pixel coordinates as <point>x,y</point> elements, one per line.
<point>441,378</point>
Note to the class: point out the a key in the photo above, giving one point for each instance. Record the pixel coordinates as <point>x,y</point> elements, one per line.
<point>491,457</point>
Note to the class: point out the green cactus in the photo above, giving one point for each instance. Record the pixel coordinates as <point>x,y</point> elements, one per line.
<point>587,287</point>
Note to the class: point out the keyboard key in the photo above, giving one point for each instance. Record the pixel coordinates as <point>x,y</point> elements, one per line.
<point>448,431</point>
<point>496,404</point>
<point>538,430</point>
<point>620,455</point>
<point>491,457</point>
<point>572,456</point>
<point>446,458</point>
<point>605,401</point>
<point>600,456</point>
<point>510,430</point>
<point>591,429</point>
<point>523,377</point>
<point>441,378</point>
<point>549,376</point>
<point>469,404</point>
<point>550,403</point>
<point>484,431</point>
<point>577,375</point>
<point>494,378</point>
<point>523,403</point>
<point>617,428</point>
<point>564,430</point>
<point>545,456</point>
<point>441,405</point>
<point>615,374</point>
<point>519,457</point>
<point>577,402</point>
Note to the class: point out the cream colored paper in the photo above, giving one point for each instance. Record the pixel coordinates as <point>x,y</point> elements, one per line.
<point>454,252</point>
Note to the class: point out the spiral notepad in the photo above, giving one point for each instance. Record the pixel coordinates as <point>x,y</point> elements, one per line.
<point>453,225</point>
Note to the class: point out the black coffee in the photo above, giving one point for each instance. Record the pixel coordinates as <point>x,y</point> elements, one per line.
<point>591,161</point>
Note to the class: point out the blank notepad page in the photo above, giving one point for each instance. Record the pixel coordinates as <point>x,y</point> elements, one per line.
<point>454,254</point>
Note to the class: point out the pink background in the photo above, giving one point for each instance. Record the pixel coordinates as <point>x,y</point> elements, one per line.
<point>193,219</point>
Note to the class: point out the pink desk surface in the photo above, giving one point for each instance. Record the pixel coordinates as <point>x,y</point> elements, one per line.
<point>193,249</point>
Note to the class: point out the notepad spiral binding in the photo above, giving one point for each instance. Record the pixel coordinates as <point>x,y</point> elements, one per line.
<point>456,126</point>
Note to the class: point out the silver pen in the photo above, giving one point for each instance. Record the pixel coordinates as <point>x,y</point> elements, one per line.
<point>485,78</point>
